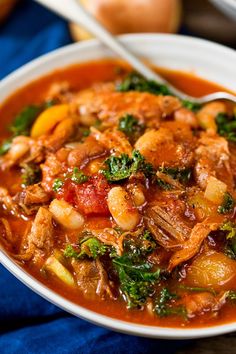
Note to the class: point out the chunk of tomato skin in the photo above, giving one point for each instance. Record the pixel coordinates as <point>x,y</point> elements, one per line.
<point>90,197</point>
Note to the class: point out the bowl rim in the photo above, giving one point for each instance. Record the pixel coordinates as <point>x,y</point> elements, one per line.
<point>60,301</point>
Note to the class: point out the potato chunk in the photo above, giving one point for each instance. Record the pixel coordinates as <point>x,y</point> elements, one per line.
<point>214,270</point>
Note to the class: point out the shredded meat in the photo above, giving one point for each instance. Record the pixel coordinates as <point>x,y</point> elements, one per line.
<point>92,278</point>
<point>113,140</point>
<point>31,198</point>
<point>212,159</point>
<point>51,169</point>
<point>168,228</point>
<point>109,106</point>
<point>193,244</point>
<point>8,203</point>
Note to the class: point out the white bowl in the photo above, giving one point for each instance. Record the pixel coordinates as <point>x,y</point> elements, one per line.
<point>210,61</point>
<point>226,6</point>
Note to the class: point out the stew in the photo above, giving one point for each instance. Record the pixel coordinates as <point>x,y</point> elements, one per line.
<point>120,196</point>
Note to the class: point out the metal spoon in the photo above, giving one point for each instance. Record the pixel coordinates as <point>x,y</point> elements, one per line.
<point>73,11</point>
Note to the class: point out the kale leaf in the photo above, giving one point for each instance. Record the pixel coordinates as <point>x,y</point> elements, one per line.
<point>131,127</point>
<point>183,175</point>
<point>139,246</point>
<point>31,174</point>
<point>192,106</point>
<point>136,275</point>
<point>230,230</point>
<point>164,306</point>
<point>226,126</point>
<point>136,82</point>
<point>197,289</point>
<point>136,279</point>
<point>231,295</point>
<point>24,120</point>
<point>227,204</point>
<point>89,247</point>
<point>5,146</point>
<point>120,168</point>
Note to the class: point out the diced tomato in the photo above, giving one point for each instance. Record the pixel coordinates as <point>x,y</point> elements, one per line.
<point>89,197</point>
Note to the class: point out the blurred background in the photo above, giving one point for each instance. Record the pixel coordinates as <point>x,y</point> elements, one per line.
<point>27,322</point>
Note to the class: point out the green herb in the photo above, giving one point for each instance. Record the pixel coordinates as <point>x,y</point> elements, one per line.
<point>5,146</point>
<point>192,106</point>
<point>48,104</point>
<point>24,120</point>
<point>57,184</point>
<point>164,306</point>
<point>120,168</point>
<point>131,127</point>
<point>90,247</point>
<point>230,248</point>
<point>227,205</point>
<point>86,132</point>
<point>136,279</point>
<point>226,126</point>
<point>78,176</point>
<point>230,228</point>
<point>136,82</point>
<point>231,295</point>
<point>183,175</point>
<point>138,246</point>
<point>140,164</point>
<point>197,289</point>
<point>163,185</point>
<point>31,174</point>
<point>70,252</point>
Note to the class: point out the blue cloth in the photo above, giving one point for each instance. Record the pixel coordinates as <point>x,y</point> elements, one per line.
<point>28,323</point>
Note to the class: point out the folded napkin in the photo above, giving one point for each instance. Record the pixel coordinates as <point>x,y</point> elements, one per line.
<point>28,323</point>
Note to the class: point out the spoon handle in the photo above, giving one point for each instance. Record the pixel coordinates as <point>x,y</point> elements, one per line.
<point>72,10</point>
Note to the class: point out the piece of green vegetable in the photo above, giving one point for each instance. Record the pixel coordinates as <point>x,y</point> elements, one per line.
<point>24,120</point>
<point>164,305</point>
<point>120,168</point>
<point>31,174</point>
<point>57,184</point>
<point>90,247</point>
<point>183,175</point>
<point>230,230</point>
<point>192,106</point>
<point>131,127</point>
<point>5,146</point>
<point>226,126</point>
<point>227,205</point>
<point>78,176</point>
<point>136,82</point>
<point>231,295</point>
<point>137,279</point>
<point>136,275</point>
<point>163,185</point>
<point>139,246</point>
<point>197,289</point>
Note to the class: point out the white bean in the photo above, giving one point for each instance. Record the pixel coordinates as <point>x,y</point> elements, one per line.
<point>122,209</point>
<point>65,214</point>
<point>137,194</point>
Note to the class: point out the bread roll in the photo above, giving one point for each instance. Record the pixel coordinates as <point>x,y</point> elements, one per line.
<point>122,16</point>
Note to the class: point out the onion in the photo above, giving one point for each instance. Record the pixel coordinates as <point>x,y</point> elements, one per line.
<point>122,16</point>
